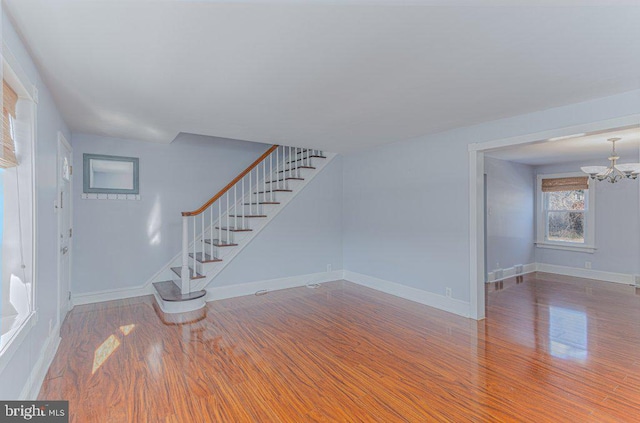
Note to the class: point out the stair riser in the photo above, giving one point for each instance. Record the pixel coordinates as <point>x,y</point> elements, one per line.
<point>202,268</point>
<point>262,209</point>
<point>312,161</point>
<point>296,173</point>
<point>290,184</point>
<point>287,184</point>
<point>235,222</point>
<point>265,197</point>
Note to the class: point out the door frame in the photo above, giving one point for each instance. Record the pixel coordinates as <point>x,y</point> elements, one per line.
<point>476,195</point>
<point>62,142</point>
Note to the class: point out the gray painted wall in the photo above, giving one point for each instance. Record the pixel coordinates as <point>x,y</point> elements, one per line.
<point>406,205</point>
<point>304,238</point>
<point>617,225</point>
<point>49,122</point>
<point>510,217</point>
<point>121,244</point>
<point>400,204</point>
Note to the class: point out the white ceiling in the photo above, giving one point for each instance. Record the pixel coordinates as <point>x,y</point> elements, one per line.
<point>584,148</point>
<point>335,75</point>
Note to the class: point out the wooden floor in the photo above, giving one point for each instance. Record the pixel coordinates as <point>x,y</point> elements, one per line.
<point>552,348</point>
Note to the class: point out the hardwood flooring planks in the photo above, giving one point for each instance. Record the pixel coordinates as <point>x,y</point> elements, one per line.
<point>553,348</point>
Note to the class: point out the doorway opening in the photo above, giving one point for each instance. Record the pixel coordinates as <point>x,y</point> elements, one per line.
<point>584,145</point>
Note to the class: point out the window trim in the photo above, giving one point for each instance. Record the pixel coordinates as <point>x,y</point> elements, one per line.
<point>589,245</point>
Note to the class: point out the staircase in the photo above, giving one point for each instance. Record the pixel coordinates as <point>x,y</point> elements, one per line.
<point>214,234</point>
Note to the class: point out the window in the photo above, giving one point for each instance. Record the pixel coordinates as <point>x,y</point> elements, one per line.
<point>565,213</point>
<point>16,213</point>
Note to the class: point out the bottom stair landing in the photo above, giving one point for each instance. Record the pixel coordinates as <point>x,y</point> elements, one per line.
<point>171,300</point>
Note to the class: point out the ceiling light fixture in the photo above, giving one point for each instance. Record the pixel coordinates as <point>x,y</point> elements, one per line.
<point>615,172</point>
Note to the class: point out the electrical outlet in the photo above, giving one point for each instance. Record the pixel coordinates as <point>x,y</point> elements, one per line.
<point>587,265</point>
<point>328,268</point>
<point>448,292</point>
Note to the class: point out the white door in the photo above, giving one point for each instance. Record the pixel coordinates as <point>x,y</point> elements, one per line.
<point>63,204</point>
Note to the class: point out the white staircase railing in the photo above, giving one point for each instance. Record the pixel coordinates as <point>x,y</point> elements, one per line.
<point>211,227</point>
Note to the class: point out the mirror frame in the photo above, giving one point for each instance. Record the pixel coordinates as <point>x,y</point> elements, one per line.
<point>86,160</point>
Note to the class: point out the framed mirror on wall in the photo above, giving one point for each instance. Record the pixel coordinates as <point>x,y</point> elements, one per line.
<point>110,174</point>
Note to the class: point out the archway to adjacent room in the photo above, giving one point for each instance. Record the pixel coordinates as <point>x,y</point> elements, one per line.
<point>477,193</point>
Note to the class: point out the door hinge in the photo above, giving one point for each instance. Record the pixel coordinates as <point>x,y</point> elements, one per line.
<point>69,295</point>
<point>70,232</point>
<point>70,170</point>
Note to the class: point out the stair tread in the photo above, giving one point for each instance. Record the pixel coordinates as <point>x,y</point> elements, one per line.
<point>234,229</point>
<point>178,271</point>
<point>296,168</point>
<point>207,258</point>
<point>305,158</point>
<point>218,243</point>
<point>289,178</point>
<point>262,202</point>
<point>249,216</point>
<point>170,291</point>
<point>274,190</point>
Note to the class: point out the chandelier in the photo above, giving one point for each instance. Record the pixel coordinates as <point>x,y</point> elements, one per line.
<point>614,172</point>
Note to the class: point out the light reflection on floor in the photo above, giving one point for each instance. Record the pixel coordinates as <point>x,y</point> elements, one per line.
<point>568,333</point>
<point>108,347</point>
<point>126,330</point>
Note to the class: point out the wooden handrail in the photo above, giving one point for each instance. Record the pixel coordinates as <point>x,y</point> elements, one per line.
<point>232,183</point>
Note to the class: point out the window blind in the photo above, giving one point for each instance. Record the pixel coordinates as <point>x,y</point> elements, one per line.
<point>8,151</point>
<point>565,184</point>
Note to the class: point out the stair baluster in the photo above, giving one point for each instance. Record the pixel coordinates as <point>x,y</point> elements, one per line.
<point>184,275</point>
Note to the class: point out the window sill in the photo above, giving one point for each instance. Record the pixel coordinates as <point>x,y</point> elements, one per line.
<point>578,248</point>
<point>16,339</point>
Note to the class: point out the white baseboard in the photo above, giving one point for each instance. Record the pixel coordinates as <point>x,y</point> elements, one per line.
<point>577,272</point>
<point>110,294</point>
<point>40,368</point>
<point>510,272</point>
<point>441,302</point>
<point>214,292</point>
<point>250,288</point>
